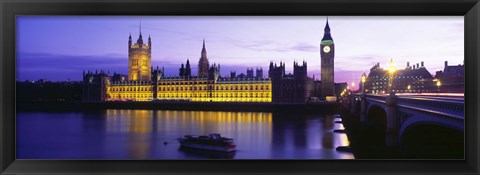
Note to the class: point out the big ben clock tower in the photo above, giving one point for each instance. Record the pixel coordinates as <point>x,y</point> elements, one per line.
<point>327,55</point>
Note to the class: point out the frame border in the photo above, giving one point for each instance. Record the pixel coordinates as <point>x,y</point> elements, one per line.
<point>11,8</point>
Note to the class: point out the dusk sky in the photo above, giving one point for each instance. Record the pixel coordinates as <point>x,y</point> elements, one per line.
<point>58,48</point>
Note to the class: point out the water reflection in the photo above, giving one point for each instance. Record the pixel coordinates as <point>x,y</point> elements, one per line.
<point>152,134</point>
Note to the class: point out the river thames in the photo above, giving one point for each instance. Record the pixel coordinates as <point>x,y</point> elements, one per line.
<point>152,134</point>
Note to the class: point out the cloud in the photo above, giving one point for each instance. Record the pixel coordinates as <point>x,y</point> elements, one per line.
<point>355,63</point>
<point>259,45</point>
<point>269,45</point>
<point>36,65</point>
<point>305,47</point>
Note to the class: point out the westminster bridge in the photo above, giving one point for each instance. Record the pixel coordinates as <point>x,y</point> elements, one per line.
<point>405,116</point>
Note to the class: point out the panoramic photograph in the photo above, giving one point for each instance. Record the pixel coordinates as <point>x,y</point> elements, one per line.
<point>239,87</point>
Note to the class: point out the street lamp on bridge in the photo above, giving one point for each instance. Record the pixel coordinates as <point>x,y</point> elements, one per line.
<point>438,86</point>
<point>364,78</point>
<point>391,71</point>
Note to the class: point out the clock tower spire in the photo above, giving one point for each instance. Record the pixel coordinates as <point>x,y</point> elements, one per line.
<point>327,54</point>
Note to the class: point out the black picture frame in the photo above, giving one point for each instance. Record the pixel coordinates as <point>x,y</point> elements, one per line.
<point>10,8</point>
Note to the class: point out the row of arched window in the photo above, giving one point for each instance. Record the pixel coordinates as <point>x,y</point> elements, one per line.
<point>130,89</point>
<point>232,87</point>
<point>221,95</point>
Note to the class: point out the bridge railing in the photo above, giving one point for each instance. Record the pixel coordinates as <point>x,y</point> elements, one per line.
<point>451,107</point>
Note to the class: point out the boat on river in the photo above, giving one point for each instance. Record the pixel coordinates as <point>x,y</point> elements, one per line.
<point>212,142</point>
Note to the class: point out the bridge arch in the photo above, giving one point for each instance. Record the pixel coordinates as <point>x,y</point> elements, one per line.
<point>377,116</point>
<point>430,139</point>
<point>428,119</point>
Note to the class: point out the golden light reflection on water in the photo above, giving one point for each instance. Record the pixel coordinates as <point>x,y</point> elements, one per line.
<point>141,121</point>
<point>252,131</point>
<point>133,121</point>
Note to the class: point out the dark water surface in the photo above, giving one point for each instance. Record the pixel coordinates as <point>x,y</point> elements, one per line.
<point>140,134</point>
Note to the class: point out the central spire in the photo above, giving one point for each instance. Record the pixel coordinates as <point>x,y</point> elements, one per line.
<point>204,51</point>
<point>203,62</point>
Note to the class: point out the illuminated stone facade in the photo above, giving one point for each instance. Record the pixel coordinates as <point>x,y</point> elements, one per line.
<point>139,59</point>
<point>187,88</point>
<point>130,91</point>
<point>209,86</point>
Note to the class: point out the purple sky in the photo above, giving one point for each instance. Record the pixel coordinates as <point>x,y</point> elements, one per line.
<point>61,47</point>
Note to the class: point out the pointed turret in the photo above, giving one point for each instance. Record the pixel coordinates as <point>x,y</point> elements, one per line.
<point>327,35</point>
<point>188,71</point>
<point>140,38</point>
<point>204,51</point>
<point>327,28</point>
<point>181,71</point>
<point>149,42</point>
<point>130,40</point>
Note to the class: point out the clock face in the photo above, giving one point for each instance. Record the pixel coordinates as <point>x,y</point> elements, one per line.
<point>326,49</point>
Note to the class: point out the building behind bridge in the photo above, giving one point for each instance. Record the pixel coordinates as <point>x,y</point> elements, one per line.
<point>411,79</point>
<point>452,78</point>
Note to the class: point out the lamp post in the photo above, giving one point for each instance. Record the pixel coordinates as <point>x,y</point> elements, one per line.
<point>364,78</point>
<point>438,86</point>
<point>391,71</point>
<point>363,99</point>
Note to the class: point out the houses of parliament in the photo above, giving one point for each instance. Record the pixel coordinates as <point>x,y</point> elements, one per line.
<point>146,83</point>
